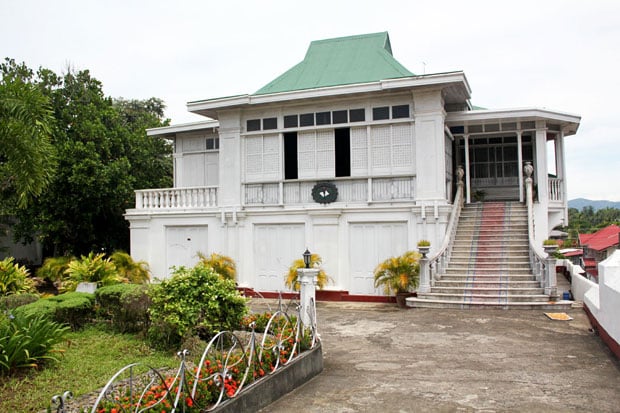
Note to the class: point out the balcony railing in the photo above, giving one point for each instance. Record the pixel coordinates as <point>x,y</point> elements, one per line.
<point>555,190</point>
<point>364,190</point>
<point>177,198</point>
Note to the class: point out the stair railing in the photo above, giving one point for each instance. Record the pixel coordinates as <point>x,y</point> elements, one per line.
<point>542,264</point>
<point>439,262</point>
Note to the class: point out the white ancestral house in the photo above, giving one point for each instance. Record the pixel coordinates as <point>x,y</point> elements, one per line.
<point>347,154</point>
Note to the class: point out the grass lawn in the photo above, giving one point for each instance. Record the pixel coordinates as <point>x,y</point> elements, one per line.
<point>90,358</point>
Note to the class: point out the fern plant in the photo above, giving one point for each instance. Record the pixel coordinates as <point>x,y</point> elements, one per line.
<point>221,264</point>
<point>14,278</point>
<point>134,272</point>
<point>291,280</point>
<point>91,268</point>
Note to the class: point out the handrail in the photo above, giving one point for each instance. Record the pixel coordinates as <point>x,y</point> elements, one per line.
<point>542,264</point>
<point>439,262</point>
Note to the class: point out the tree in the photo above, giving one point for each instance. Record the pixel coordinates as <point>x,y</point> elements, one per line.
<point>103,156</point>
<point>27,160</point>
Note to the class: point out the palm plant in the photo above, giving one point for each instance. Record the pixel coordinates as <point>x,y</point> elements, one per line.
<point>134,272</point>
<point>291,280</point>
<point>398,274</point>
<point>221,264</point>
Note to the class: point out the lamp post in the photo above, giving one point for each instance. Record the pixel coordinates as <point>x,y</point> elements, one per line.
<point>307,256</point>
<point>307,279</point>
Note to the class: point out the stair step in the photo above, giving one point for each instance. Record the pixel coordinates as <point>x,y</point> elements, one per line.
<point>555,306</point>
<point>488,291</point>
<point>476,277</point>
<point>487,284</point>
<point>501,299</point>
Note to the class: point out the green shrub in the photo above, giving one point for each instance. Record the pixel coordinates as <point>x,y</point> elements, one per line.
<point>91,268</point>
<point>125,305</point>
<point>27,342</point>
<point>43,308</point>
<point>17,300</point>
<point>74,309</point>
<point>194,301</point>
<point>14,278</point>
<point>135,272</point>
<point>54,268</point>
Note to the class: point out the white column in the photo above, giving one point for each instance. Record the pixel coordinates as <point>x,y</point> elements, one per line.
<point>425,281</point>
<point>467,182</point>
<point>430,152</point>
<point>520,164</point>
<point>307,278</point>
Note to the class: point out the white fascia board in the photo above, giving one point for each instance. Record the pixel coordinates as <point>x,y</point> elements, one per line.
<point>512,114</point>
<point>209,106</point>
<point>182,127</point>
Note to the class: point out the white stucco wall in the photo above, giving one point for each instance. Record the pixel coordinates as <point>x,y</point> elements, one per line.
<point>603,299</point>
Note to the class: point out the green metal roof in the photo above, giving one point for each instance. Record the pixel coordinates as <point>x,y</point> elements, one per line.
<point>341,61</point>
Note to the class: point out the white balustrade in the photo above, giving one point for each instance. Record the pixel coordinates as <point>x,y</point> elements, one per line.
<point>177,198</point>
<point>349,190</point>
<point>555,189</point>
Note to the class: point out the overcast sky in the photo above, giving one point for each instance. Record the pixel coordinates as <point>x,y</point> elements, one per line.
<point>561,55</point>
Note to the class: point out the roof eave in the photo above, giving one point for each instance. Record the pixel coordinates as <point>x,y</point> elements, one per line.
<point>210,107</point>
<point>171,131</point>
<point>569,121</point>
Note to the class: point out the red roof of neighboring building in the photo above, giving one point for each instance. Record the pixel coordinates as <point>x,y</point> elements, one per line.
<point>602,239</point>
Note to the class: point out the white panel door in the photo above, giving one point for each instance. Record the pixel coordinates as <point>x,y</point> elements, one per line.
<point>369,245</point>
<point>276,246</point>
<point>183,244</point>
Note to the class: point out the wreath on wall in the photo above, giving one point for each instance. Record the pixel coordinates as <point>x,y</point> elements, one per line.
<point>324,192</point>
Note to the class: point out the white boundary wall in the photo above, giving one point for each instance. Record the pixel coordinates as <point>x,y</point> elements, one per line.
<point>602,299</point>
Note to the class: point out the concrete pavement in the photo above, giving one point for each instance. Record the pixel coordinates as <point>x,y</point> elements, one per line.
<point>379,358</point>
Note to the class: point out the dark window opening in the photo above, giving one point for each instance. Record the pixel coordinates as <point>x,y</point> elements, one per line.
<point>253,125</point>
<point>306,119</point>
<point>400,111</point>
<point>290,121</point>
<point>343,151</point>
<point>381,113</point>
<point>340,116</point>
<point>457,130</point>
<point>323,118</point>
<point>270,123</point>
<point>357,115</point>
<point>290,155</point>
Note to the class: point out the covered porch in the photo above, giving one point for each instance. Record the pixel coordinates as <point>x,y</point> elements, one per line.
<point>494,146</point>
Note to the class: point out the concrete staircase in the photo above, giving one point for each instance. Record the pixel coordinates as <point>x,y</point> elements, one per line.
<point>489,266</point>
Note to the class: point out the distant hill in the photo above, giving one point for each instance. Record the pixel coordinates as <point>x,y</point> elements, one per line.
<point>579,203</point>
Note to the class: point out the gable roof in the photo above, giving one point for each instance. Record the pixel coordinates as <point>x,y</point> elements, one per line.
<point>602,239</point>
<point>341,61</point>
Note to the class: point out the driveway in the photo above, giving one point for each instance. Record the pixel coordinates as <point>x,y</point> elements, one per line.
<point>382,359</point>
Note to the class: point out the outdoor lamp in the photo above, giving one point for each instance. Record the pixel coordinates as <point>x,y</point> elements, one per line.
<point>307,256</point>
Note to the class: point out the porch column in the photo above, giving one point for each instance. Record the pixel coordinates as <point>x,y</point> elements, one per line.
<point>540,164</point>
<point>561,167</point>
<point>467,182</point>
<point>520,163</point>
